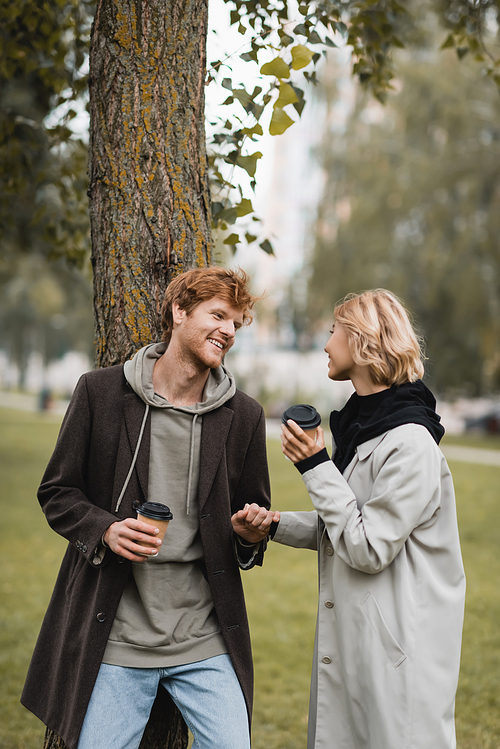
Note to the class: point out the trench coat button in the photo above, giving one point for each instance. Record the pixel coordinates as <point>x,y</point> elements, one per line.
<point>329,551</point>
<point>329,604</point>
<point>101,617</point>
<point>327,659</point>
<point>84,548</point>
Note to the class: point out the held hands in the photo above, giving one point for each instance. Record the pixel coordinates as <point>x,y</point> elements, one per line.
<point>297,445</point>
<point>252,523</point>
<point>132,539</point>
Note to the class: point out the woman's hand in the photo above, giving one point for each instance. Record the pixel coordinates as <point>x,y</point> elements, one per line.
<point>252,523</point>
<point>297,445</point>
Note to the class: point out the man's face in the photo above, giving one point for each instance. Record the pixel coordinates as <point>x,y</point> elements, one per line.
<point>207,333</point>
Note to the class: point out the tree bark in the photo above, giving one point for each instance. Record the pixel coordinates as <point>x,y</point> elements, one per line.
<point>149,195</point>
<point>149,198</point>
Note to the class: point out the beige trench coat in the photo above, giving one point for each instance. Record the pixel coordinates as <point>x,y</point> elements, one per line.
<point>391,595</point>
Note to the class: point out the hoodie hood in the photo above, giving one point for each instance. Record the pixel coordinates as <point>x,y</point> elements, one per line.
<point>365,417</point>
<point>219,388</point>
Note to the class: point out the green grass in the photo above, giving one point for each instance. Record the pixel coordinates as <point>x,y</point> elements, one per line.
<point>481,441</point>
<point>281,597</point>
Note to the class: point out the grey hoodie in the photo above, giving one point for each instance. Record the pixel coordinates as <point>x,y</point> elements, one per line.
<point>166,617</point>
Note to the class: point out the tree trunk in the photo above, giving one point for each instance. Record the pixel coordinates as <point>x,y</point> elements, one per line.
<point>149,196</point>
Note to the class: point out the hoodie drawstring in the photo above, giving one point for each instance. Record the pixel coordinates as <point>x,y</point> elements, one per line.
<point>191,456</point>
<point>136,453</point>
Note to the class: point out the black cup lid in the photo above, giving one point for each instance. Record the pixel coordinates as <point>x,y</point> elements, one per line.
<point>155,511</point>
<point>305,416</point>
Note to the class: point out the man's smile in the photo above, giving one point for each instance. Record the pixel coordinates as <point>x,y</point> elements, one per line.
<point>216,343</point>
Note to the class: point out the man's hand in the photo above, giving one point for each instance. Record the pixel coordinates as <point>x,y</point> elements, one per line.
<point>297,445</point>
<point>132,539</point>
<point>252,523</point>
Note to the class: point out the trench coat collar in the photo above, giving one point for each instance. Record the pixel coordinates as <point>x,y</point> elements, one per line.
<point>366,448</point>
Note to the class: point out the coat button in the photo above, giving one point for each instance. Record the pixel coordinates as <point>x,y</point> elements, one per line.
<point>329,604</point>
<point>327,659</point>
<point>84,548</point>
<point>101,617</point>
<point>329,551</point>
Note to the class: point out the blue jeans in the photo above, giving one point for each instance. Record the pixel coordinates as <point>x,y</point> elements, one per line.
<point>207,693</point>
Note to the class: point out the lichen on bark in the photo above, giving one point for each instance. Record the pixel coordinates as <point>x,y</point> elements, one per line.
<point>149,194</point>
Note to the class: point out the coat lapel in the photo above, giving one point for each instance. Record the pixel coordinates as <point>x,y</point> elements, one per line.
<point>214,431</point>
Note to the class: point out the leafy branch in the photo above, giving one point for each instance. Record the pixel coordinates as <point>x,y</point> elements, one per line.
<point>371,29</point>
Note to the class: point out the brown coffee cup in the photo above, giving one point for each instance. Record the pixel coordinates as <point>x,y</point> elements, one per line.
<point>157,515</point>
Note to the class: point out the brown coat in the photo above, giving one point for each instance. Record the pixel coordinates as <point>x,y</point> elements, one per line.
<point>78,491</point>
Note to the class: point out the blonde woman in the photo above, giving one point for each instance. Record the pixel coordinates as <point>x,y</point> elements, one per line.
<point>391,579</point>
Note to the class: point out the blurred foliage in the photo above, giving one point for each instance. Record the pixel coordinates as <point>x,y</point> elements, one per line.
<point>42,168</point>
<point>412,203</point>
<point>43,51</point>
<point>288,48</point>
<point>44,305</point>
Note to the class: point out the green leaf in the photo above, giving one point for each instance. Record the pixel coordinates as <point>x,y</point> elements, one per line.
<point>284,38</point>
<point>286,96</point>
<point>244,208</point>
<point>329,42</point>
<point>461,52</point>
<point>231,239</point>
<point>267,247</point>
<point>243,97</point>
<point>229,215</point>
<point>299,106</point>
<point>314,38</point>
<point>249,56</point>
<point>255,130</point>
<point>276,67</point>
<point>280,122</point>
<point>301,56</point>
<point>448,42</point>
<point>249,163</point>
<point>250,237</point>
<point>227,83</point>
<point>300,29</point>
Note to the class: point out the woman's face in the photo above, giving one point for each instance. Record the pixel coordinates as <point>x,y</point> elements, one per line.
<point>340,361</point>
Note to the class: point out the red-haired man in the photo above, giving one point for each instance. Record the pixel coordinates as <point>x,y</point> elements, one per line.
<point>132,619</point>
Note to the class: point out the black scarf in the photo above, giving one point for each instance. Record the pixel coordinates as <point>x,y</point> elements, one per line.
<point>365,417</point>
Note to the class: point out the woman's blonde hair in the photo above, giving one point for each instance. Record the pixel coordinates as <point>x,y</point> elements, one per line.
<point>381,335</point>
